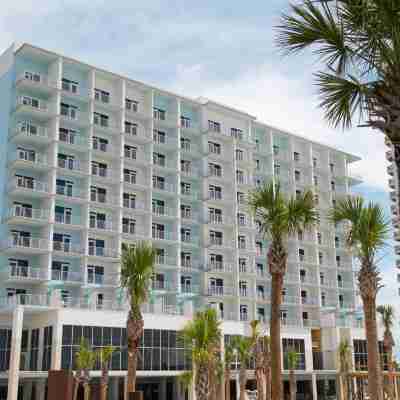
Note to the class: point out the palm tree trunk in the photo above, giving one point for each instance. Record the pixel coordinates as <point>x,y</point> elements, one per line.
<point>76,387</point>
<point>275,323</point>
<point>267,374</point>
<point>227,384</point>
<point>242,383</point>
<point>374,366</point>
<point>293,389</point>
<point>104,383</point>
<point>260,384</point>
<point>86,388</point>
<point>201,383</point>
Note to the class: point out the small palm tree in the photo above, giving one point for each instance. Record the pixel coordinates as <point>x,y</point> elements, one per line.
<point>203,336</point>
<point>366,236</point>
<point>229,358</point>
<point>185,379</point>
<point>387,314</point>
<point>279,218</point>
<point>292,358</point>
<point>137,266</point>
<point>104,356</point>
<point>243,348</point>
<point>258,353</point>
<point>85,360</point>
<point>345,368</point>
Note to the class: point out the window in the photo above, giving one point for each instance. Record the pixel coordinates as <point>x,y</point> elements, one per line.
<point>289,344</point>
<point>186,235</point>
<point>214,126</point>
<point>242,265</point>
<point>316,199</point>
<point>129,225</point>
<point>240,178</point>
<point>26,154</point>
<point>301,254</point>
<point>131,128</point>
<point>303,274</point>
<point>185,144</point>
<point>297,176</point>
<point>214,215</point>
<point>185,122</point>
<point>214,148</point>
<point>239,155</point>
<point>130,152</point>
<point>95,274</point>
<point>159,114</point>
<point>131,105</point>
<point>99,169</point>
<point>186,166</point>
<point>259,248</point>
<point>186,284</point>
<point>314,162</point>
<point>277,169</point>
<point>319,238</point>
<point>214,192</point>
<point>158,231</point>
<point>260,292</point>
<point>332,168</point>
<point>69,86</point>
<point>341,301</point>
<point>159,159</point>
<point>340,281</point>
<point>158,182</point>
<point>129,176</point>
<point>298,194</point>
<point>32,76</point>
<point>67,161</point>
<point>101,95</point>
<point>315,180</point>
<point>67,135</point>
<point>31,101</point>
<point>186,259</point>
<point>186,211</point>
<point>300,235</point>
<point>303,295</point>
<point>186,188</point>
<point>333,186</point>
<point>216,261</point>
<point>28,127</point>
<point>240,198</point>
<point>158,207</point>
<point>338,261</point>
<point>320,258</point>
<point>214,170</point>
<point>296,156</point>
<point>69,111</point>
<point>275,149</point>
<point>243,288</point>
<point>337,242</point>
<point>98,194</point>
<point>241,219</point>
<point>129,200</point>
<point>237,133</point>
<point>322,278</point>
<point>63,215</point>
<point>101,119</point>
<point>159,137</point>
<point>244,313</point>
<point>323,299</point>
<point>216,238</point>
<point>242,242</point>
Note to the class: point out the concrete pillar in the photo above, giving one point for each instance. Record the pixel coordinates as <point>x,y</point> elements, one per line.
<point>27,390</point>
<point>162,389</point>
<point>56,344</point>
<point>314,386</point>
<point>40,390</point>
<point>13,370</point>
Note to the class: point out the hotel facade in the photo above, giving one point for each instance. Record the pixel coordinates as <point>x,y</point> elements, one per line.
<point>91,160</point>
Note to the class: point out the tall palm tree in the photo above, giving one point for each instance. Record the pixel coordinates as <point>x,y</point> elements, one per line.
<point>85,360</point>
<point>243,348</point>
<point>137,266</point>
<point>358,44</point>
<point>292,358</point>
<point>258,353</point>
<point>104,356</point>
<point>345,367</point>
<point>366,235</point>
<point>267,366</point>
<point>387,314</point>
<point>279,218</point>
<point>203,336</point>
<point>229,358</point>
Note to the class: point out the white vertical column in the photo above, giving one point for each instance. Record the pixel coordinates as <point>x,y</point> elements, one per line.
<point>15,355</point>
<point>56,346</point>
<point>314,386</point>
<point>178,204</point>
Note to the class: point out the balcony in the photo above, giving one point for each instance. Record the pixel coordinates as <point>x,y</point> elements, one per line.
<point>32,108</point>
<point>102,225</point>
<point>290,299</point>
<point>164,187</point>
<point>393,196</point>
<point>162,211</point>
<point>73,194</point>
<point>73,140</point>
<point>219,291</point>
<point>163,235</point>
<point>394,209</point>
<point>219,267</point>
<point>105,200</point>
<point>66,276</point>
<point>74,167</point>
<point>309,301</point>
<point>391,169</point>
<point>29,216</point>
<point>137,134</point>
<point>389,155</point>
<point>191,172</point>
<point>190,290</point>
<point>34,161</point>
<point>67,248</point>
<point>102,280</point>
<point>30,134</point>
<point>31,187</point>
<point>72,221</point>
<point>166,262</point>
<point>158,285</point>
<point>36,82</point>
<point>392,183</point>
<point>26,245</point>
<point>102,252</point>
<point>26,274</point>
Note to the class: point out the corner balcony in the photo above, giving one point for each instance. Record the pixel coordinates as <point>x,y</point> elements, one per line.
<point>32,188</point>
<point>27,216</point>
<point>68,249</point>
<point>37,162</point>
<point>26,245</point>
<point>38,110</point>
<point>37,83</point>
<point>102,252</point>
<point>220,291</point>
<point>28,134</point>
<point>19,274</point>
<point>67,277</point>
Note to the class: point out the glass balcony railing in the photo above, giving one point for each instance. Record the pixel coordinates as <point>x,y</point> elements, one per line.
<point>72,165</point>
<point>67,247</point>
<point>66,276</point>
<point>17,272</point>
<point>31,157</point>
<point>98,251</point>
<point>32,104</point>
<point>27,243</point>
<point>101,224</point>
<point>26,212</point>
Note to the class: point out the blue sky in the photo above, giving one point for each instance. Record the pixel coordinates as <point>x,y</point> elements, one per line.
<point>221,49</point>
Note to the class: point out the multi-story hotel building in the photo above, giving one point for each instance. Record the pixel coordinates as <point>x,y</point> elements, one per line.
<point>91,160</point>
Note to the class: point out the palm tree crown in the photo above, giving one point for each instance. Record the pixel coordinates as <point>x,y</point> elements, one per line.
<point>358,43</point>
<point>137,263</point>
<point>387,314</point>
<point>280,217</point>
